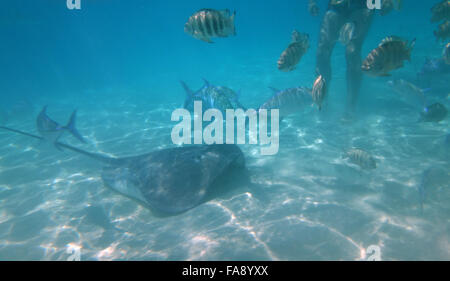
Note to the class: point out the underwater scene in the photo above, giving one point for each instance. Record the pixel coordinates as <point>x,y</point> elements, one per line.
<point>286,130</point>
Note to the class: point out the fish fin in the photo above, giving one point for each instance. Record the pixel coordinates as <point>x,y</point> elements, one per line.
<point>233,16</point>
<point>44,109</point>
<point>274,90</point>
<point>412,44</point>
<point>225,12</point>
<point>207,40</point>
<point>207,84</point>
<point>189,94</point>
<point>72,129</point>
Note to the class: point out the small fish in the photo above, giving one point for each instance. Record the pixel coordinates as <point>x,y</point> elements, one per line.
<point>434,71</point>
<point>52,131</point>
<point>347,33</point>
<point>388,56</point>
<point>313,8</point>
<point>441,11</point>
<point>218,97</point>
<point>207,23</point>
<point>443,31</point>
<point>294,52</point>
<point>388,5</point>
<point>408,90</point>
<point>446,53</point>
<point>289,101</point>
<point>433,113</point>
<point>319,91</point>
<point>433,74</point>
<point>361,158</point>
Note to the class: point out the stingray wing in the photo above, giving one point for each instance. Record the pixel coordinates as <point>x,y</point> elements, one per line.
<point>172,181</point>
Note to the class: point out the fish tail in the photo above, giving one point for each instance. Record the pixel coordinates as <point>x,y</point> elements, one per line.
<point>72,129</point>
<point>189,94</point>
<point>233,16</point>
<point>207,84</point>
<point>412,44</point>
<point>410,48</point>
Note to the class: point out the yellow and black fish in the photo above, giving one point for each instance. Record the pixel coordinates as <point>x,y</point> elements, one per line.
<point>446,53</point>
<point>388,56</point>
<point>319,91</point>
<point>441,11</point>
<point>294,52</point>
<point>443,31</point>
<point>208,23</point>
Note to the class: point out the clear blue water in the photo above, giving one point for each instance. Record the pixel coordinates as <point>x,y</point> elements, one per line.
<point>120,62</point>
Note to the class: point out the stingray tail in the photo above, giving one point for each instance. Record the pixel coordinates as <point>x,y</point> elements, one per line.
<point>72,129</point>
<point>98,157</point>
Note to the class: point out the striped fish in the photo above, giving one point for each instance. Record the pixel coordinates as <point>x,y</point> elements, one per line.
<point>388,56</point>
<point>294,52</point>
<point>441,11</point>
<point>434,113</point>
<point>410,92</point>
<point>208,23</point>
<point>361,158</point>
<point>443,31</point>
<point>289,101</point>
<point>319,91</point>
<point>446,53</point>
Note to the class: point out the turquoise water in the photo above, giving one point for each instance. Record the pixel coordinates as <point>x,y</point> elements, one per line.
<point>120,62</point>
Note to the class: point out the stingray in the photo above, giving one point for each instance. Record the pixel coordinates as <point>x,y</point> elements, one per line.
<point>168,181</point>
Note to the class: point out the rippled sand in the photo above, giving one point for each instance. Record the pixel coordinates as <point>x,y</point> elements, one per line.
<point>305,203</point>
